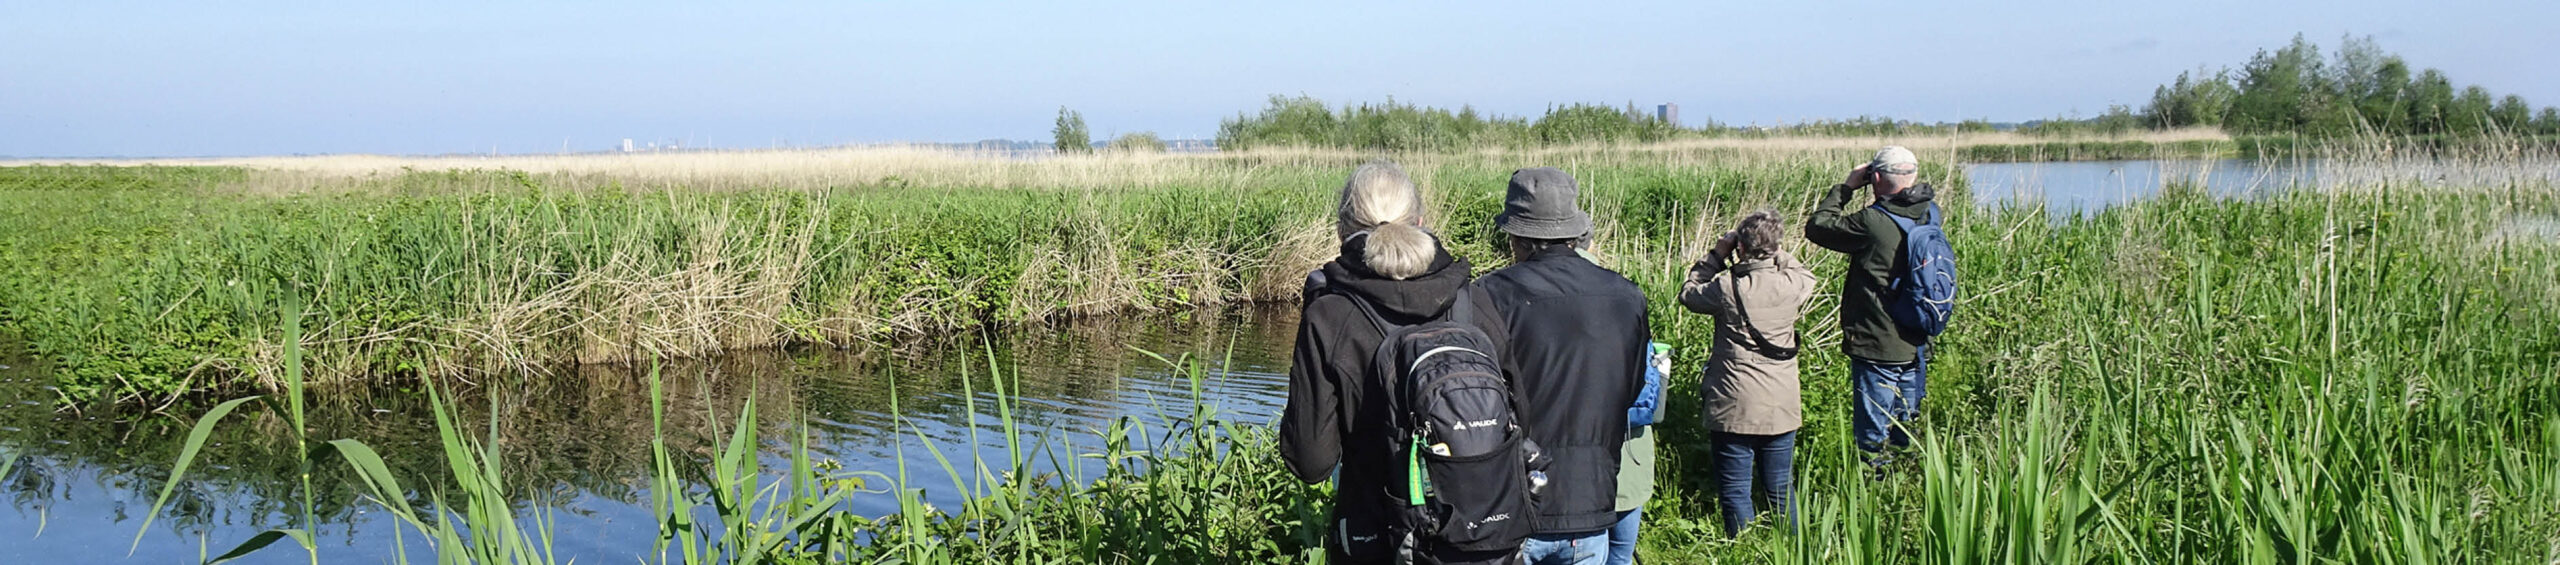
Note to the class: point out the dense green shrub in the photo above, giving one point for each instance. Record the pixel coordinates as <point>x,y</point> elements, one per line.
<point>2360,91</point>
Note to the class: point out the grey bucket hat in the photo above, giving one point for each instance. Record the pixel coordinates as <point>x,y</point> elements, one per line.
<point>1539,205</point>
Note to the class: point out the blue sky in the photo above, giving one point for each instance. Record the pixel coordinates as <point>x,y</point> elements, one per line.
<point>246,78</point>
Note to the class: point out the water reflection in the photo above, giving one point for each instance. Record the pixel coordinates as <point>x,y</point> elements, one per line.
<point>579,442</point>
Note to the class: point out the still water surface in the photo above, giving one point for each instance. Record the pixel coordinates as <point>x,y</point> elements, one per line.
<point>2076,187</point>
<point>580,444</point>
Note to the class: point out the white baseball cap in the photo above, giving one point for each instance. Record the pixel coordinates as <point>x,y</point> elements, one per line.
<point>1894,160</point>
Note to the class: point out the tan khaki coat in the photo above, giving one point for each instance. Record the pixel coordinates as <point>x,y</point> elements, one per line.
<point>1746,392</point>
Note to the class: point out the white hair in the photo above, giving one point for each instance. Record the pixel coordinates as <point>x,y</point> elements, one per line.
<point>1378,193</point>
<point>1899,181</point>
<point>1399,251</point>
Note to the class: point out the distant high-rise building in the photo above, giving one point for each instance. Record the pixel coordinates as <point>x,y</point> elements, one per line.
<point>1667,112</point>
<point>626,145</point>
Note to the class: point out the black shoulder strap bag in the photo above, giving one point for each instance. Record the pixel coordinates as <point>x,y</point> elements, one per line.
<point>1759,343</point>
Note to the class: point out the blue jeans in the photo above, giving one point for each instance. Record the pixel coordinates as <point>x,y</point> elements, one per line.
<point>1622,537</point>
<point>1885,399</point>
<point>1587,548</point>
<point>1740,461</point>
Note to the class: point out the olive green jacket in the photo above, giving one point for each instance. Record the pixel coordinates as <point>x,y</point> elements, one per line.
<point>1635,469</point>
<point>1874,246</point>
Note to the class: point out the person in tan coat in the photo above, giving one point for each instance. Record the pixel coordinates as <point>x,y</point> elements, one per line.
<point>1753,402</point>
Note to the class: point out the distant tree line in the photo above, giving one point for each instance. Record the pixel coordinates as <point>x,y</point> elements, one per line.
<point>2359,90</point>
<point>1304,121</point>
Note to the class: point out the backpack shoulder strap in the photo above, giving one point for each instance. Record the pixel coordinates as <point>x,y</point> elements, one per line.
<point>1462,308</point>
<point>1382,363</point>
<point>1904,223</point>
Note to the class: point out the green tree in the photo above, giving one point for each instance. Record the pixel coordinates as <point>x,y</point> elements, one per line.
<point>2279,91</point>
<point>2194,100</point>
<point>1137,142</point>
<point>2384,100</point>
<point>2430,101</point>
<point>2512,115</point>
<point>2547,122</point>
<point>1070,135</point>
<point>2469,114</point>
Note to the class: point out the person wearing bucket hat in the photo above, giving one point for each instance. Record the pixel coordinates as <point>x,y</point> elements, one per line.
<point>1888,363</point>
<point>1540,205</point>
<point>1575,359</point>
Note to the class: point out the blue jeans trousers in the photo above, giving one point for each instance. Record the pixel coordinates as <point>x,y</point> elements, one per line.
<point>1622,537</point>
<point>1745,461</point>
<point>1588,548</point>
<point>1885,399</point>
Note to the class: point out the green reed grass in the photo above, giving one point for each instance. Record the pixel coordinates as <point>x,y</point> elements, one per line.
<point>2370,376</point>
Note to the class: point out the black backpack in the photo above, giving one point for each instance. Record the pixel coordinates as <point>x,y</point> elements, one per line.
<point>1471,472</point>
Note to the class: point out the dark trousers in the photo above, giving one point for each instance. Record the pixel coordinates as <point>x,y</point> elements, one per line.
<point>1745,461</point>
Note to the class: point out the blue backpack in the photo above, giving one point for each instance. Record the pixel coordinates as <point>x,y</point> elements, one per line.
<point>1924,293</point>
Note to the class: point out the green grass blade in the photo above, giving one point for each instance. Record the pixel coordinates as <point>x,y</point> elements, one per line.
<point>795,524</point>
<point>186,458</point>
<point>261,541</point>
<point>377,477</point>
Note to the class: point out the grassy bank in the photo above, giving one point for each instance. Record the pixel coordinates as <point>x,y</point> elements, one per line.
<point>149,281</point>
<point>2371,376</point>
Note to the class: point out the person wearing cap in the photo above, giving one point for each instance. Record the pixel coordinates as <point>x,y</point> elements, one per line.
<point>1334,425</point>
<point>1888,364</point>
<point>1749,397</point>
<point>1575,359</point>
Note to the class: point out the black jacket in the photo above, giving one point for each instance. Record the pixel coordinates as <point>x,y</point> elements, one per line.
<point>1576,360</point>
<point>1329,418</point>
<point>1874,246</point>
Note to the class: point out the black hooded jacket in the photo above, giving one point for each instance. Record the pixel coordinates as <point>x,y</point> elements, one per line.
<point>1874,246</point>
<point>1330,418</point>
<point>1575,358</point>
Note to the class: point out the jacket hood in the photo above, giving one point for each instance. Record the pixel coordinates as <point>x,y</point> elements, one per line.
<point>1422,296</point>
<point>1912,203</point>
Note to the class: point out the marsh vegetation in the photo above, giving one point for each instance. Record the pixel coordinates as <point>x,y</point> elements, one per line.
<point>2366,372</point>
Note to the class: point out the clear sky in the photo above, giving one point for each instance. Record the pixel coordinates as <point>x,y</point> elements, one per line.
<point>113,78</point>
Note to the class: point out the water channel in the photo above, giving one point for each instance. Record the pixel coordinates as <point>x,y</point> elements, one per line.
<point>82,482</point>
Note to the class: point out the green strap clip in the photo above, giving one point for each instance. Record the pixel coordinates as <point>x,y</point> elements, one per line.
<point>1413,472</point>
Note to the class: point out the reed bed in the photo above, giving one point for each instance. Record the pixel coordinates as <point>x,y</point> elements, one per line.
<point>149,281</point>
<point>2311,378</point>
<point>2360,374</point>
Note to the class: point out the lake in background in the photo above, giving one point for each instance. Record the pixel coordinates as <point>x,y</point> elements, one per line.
<point>2074,187</point>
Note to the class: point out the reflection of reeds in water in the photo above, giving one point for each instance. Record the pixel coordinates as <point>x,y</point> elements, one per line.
<point>587,431</point>
<point>722,507</point>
